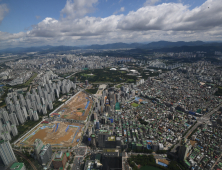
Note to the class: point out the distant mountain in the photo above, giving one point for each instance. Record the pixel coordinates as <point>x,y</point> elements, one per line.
<point>47,48</point>
<point>210,49</point>
<point>23,50</point>
<point>114,46</point>
<point>166,45</point>
<point>61,48</point>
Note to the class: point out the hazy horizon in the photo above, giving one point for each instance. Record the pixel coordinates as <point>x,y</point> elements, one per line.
<point>87,22</point>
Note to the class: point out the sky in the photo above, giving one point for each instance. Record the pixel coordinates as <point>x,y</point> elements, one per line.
<point>28,23</point>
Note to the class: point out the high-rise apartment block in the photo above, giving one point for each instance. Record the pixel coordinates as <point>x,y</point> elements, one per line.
<point>6,153</point>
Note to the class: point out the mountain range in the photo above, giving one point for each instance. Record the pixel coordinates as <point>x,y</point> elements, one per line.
<point>150,46</point>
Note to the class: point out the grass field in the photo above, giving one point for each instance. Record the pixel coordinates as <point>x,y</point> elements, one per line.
<point>104,75</point>
<point>27,83</point>
<point>135,104</point>
<point>119,86</point>
<point>92,91</point>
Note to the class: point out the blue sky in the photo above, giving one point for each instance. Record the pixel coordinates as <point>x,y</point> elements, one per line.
<point>28,21</point>
<point>22,13</point>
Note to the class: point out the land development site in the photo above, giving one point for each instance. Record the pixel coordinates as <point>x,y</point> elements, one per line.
<point>77,109</point>
<point>64,127</point>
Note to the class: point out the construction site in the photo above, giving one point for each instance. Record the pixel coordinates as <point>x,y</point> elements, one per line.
<point>78,107</point>
<point>56,133</point>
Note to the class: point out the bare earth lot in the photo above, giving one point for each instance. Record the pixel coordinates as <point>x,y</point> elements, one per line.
<point>49,133</point>
<point>77,108</point>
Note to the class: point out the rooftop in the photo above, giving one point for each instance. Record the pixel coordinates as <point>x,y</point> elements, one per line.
<point>2,141</point>
<point>111,138</point>
<point>17,166</point>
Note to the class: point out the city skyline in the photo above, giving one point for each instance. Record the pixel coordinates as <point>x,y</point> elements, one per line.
<point>75,22</point>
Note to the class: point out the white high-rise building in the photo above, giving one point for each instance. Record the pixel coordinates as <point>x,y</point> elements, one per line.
<point>31,114</point>
<point>6,153</point>
<point>25,114</point>
<point>29,106</point>
<point>11,107</point>
<point>4,115</point>
<point>63,90</point>
<point>37,99</point>
<point>43,100</point>
<point>34,107</point>
<point>44,110</point>
<point>14,99</point>
<point>13,119</point>
<point>57,93</point>
<point>14,130</point>
<point>19,115</point>
<point>35,115</point>
<point>6,135</point>
<point>7,126</point>
<point>22,100</point>
<point>7,100</point>
<point>50,106</point>
<point>1,127</point>
<point>40,91</point>
<point>32,98</point>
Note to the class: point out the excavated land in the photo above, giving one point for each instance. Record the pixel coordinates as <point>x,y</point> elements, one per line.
<point>78,108</point>
<point>56,133</point>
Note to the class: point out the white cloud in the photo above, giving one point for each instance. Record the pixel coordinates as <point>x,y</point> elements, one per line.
<point>122,9</point>
<point>151,2</point>
<point>3,11</point>
<point>174,16</point>
<point>167,21</point>
<point>78,8</point>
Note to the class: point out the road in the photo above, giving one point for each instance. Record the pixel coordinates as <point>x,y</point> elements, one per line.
<point>80,153</point>
<point>71,75</point>
<point>200,121</point>
<point>216,161</point>
<point>49,163</point>
<point>23,156</point>
<point>77,163</point>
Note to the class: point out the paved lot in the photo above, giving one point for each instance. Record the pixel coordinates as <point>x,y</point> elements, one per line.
<point>76,164</point>
<point>80,151</point>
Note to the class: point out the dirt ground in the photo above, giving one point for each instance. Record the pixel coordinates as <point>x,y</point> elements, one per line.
<point>75,108</point>
<point>164,161</point>
<point>192,142</point>
<point>58,138</point>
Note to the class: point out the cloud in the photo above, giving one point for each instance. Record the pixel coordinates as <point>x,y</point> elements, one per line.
<point>3,11</point>
<point>37,17</point>
<point>174,16</point>
<point>122,9</point>
<point>78,8</point>
<point>175,22</point>
<point>151,2</point>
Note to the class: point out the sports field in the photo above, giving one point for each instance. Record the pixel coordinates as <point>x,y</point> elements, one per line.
<point>77,109</point>
<point>56,133</point>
